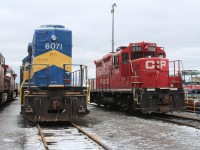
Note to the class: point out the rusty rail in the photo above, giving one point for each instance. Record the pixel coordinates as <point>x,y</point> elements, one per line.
<point>42,136</point>
<point>180,120</point>
<point>92,137</point>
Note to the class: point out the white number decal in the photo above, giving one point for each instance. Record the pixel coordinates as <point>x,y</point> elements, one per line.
<point>53,46</point>
<point>47,46</point>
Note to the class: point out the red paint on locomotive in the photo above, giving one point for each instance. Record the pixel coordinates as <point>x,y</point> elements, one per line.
<point>8,88</point>
<point>138,75</point>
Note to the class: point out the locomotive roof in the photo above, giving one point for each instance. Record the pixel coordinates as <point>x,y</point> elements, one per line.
<point>52,26</point>
<point>104,58</point>
<point>120,49</point>
<point>2,59</point>
<point>142,43</point>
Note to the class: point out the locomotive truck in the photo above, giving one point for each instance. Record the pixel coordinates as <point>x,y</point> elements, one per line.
<point>52,88</point>
<point>137,78</point>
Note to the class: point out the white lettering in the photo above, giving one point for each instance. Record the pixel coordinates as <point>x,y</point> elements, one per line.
<point>162,63</point>
<point>53,46</point>
<point>151,64</point>
<point>47,46</point>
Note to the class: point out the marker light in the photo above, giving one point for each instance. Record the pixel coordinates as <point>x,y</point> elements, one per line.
<point>67,81</point>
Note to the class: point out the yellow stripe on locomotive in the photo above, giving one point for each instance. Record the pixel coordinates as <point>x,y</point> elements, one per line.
<point>51,58</point>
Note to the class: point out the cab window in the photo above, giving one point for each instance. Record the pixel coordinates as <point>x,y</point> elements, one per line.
<point>125,57</point>
<point>99,64</point>
<point>115,60</point>
<point>136,55</point>
<point>161,55</point>
<point>149,55</point>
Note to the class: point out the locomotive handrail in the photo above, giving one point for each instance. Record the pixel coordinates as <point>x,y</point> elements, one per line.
<point>28,68</point>
<point>81,77</point>
<point>178,65</point>
<point>75,64</point>
<point>130,61</point>
<point>186,95</point>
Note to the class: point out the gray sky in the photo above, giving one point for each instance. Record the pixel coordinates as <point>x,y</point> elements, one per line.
<point>173,24</point>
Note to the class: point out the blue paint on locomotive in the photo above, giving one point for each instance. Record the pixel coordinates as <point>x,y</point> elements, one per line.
<point>49,43</point>
<point>44,35</point>
<point>55,77</point>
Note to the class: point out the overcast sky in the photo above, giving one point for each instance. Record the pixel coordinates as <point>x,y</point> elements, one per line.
<point>173,24</point>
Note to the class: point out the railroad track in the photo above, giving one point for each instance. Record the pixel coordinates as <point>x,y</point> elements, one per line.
<point>190,122</point>
<point>180,120</point>
<point>69,137</point>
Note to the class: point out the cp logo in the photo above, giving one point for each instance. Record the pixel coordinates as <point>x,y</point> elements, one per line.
<point>152,64</point>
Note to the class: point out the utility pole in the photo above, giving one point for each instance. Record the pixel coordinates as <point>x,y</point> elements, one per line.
<point>112,11</point>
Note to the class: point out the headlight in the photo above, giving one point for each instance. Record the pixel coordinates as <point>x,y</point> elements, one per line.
<point>53,38</point>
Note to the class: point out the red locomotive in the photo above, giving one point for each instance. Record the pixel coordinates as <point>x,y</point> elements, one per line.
<point>137,77</point>
<point>8,87</point>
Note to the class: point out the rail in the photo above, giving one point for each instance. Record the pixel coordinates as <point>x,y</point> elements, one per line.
<point>42,136</point>
<point>180,120</point>
<point>92,137</point>
<point>74,135</point>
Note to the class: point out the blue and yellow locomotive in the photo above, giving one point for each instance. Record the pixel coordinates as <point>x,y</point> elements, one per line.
<point>52,88</point>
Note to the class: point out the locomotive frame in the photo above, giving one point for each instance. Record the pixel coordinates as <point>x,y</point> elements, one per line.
<point>56,103</point>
